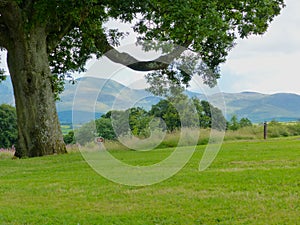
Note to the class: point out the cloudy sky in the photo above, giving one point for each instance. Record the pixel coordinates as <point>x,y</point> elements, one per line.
<point>266,64</point>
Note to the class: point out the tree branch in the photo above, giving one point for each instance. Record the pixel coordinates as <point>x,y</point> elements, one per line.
<point>4,34</point>
<point>11,14</point>
<point>55,37</point>
<point>129,61</point>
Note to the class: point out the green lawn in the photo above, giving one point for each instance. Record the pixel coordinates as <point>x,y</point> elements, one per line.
<point>250,182</point>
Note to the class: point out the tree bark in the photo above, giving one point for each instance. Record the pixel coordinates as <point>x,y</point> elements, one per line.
<point>38,124</point>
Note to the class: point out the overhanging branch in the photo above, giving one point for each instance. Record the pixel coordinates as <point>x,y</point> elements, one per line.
<point>129,61</point>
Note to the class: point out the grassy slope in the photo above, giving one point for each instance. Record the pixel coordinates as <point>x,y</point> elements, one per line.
<point>248,183</point>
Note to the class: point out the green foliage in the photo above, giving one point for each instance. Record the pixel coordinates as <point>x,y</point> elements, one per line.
<point>8,126</point>
<point>139,122</point>
<point>57,85</point>
<point>235,124</point>
<point>276,129</point>
<point>171,114</point>
<point>166,111</point>
<point>178,111</point>
<point>69,138</point>
<point>209,116</point>
<point>86,133</point>
<point>245,122</point>
<point>120,123</point>
<point>77,29</point>
<point>105,129</point>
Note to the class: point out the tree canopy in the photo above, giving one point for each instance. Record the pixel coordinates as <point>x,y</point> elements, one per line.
<point>77,29</point>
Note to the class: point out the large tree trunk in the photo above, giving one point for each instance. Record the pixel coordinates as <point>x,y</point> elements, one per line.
<point>38,125</point>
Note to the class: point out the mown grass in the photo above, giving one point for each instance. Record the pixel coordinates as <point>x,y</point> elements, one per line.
<point>250,182</point>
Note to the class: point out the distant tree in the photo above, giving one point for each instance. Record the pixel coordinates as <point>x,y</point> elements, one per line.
<point>166,111</point>
<point>173,119</point>
<point>139,122</point>
<point>117,123</point>
<point>204,112</point>
<point>86,133</point>
<point>104,128</point>
<point>234,123</point>
<point>209,115</point>
<point>245,122</point>
<point>8,126</point>
<point>120,122</point>
<point>274,123</point>
<point>177,111</point>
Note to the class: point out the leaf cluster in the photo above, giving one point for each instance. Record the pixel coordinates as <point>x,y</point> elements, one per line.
<point>8,126</point>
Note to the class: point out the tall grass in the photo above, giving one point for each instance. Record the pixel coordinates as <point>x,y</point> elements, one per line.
<point>183,137</point>
<point>187,136</point>
<point>203,136</point>
<point>7,152</point>
<point>245,133</point>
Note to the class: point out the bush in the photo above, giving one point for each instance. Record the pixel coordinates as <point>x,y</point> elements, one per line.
<point>69,138</point>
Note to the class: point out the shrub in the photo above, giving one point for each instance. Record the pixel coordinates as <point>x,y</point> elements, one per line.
<point>69,138</point>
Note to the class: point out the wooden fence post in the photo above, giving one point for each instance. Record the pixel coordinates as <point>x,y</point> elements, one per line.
<point>265,130</point>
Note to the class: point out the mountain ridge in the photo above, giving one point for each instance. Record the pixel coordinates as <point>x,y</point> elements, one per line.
<point>258,107</point>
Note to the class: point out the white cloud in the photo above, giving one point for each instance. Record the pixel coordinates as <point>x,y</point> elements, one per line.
<point>267,63</point>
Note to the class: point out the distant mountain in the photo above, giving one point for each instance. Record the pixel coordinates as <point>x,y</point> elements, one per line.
<point>261,107</point>
<point>101,95</point>
<point>89,95</point>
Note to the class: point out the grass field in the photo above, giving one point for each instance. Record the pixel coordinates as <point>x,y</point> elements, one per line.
<point>250,182</point>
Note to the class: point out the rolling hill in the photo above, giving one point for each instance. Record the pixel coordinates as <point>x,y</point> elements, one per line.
<point>100,95</point>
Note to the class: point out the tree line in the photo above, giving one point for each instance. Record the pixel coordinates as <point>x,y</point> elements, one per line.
<point>165,115</point>
<point>170,114</point>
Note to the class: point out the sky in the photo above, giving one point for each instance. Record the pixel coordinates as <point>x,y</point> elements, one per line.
<point>266,64</point>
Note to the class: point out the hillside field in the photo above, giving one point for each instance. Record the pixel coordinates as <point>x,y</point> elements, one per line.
<point>250,182</point>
